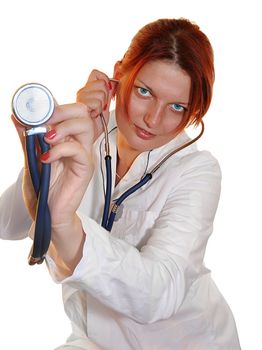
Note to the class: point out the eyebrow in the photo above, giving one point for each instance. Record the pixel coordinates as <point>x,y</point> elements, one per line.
<point>152,91</point>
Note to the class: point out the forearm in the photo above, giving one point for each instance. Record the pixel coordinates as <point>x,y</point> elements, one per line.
<point>112,270</point>
<point>152,281</point>
<point>67,245</point>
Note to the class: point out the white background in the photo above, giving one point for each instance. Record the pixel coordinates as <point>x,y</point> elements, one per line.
<point>57,43</point>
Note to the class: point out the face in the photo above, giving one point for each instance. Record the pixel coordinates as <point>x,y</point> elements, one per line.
<point>158,101</point>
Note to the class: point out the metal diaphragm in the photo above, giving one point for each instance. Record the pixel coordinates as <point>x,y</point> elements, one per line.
<point>33,104</point>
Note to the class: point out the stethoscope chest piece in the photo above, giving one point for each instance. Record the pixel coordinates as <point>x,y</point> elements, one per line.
<point>32,104</point>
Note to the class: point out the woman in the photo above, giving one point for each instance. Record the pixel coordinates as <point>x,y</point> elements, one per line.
<point>144,284</point>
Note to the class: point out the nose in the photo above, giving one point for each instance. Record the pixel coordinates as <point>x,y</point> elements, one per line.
<point>153,116</point>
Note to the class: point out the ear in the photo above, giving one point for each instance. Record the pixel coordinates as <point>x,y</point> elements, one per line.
<point>117,71</point>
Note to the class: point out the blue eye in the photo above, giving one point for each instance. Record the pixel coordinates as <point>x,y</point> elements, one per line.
<point>143,91</point>
<point>178,108</point>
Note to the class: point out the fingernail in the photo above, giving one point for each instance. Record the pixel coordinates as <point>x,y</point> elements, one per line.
<point>50,134</point>
<point>110,85</point>
<point>45,156</point>
<point>105,107</point>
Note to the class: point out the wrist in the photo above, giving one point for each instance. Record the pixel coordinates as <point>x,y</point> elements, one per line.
<point>67,243</point>
<point>64,226</point>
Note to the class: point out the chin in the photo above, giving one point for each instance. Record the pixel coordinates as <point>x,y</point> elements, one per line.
<point>141,145</point>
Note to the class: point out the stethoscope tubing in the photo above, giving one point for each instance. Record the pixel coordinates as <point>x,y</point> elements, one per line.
<point>120,200</point>
<point>32,161</point>
<point>43,208</point>
<point>108,191</point>
<point>41,182</point>
<point>109,217</point>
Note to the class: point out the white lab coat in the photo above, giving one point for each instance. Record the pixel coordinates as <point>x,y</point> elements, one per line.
<point>144,286</point>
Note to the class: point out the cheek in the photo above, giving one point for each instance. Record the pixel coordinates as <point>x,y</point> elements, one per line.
<point>171,123</point>
<point>136,108</point>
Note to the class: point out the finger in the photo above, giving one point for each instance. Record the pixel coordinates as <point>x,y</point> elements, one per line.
<point>95,100</point>
<point>81,129</point>
<point>69,111</point>
<point>69,149</point>
<point>97,75</point>
<point>112,92</point>
<point>97,81</point>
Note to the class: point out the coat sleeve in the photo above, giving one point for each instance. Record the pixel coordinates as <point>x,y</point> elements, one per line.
<point>14,219</point>
<point>78,343</point>
<point>150,284</point>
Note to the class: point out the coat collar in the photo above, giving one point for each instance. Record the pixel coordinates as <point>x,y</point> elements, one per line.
<point>145,161</point>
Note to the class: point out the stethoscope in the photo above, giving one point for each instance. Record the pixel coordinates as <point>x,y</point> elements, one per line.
<point>33,105</point>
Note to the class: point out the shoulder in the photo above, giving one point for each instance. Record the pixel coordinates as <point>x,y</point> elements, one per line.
<point>184,158</point>
<point>200,160</point>
<point>197,169</point>
<point>189,160</point>
<point>195,174</point>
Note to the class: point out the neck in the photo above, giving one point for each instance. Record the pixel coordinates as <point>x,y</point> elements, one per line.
<point>125,156</point>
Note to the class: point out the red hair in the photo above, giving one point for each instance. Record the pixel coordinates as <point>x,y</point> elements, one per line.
<point>179,41</point>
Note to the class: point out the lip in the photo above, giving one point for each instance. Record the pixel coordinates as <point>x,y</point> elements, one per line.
<point>143,134</point>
